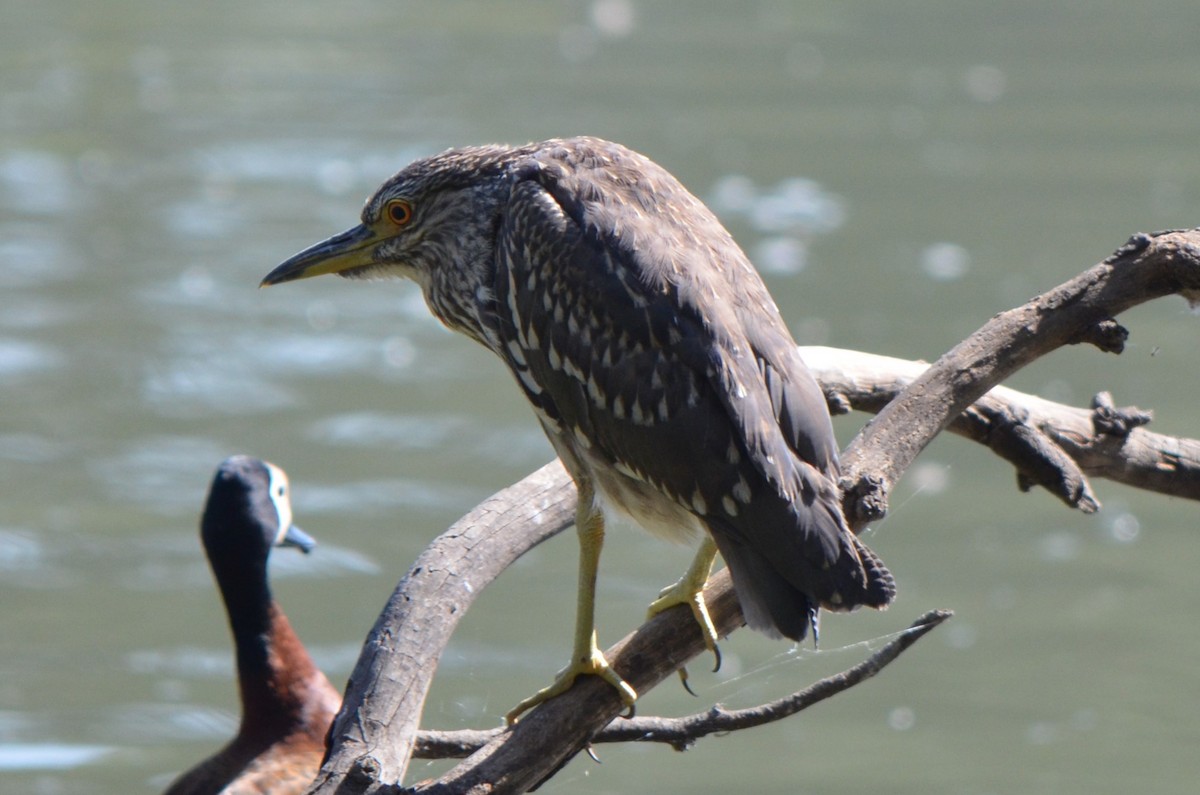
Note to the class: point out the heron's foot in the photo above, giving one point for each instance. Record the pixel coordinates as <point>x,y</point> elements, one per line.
<point>593,663</point>
<point>691,593</point>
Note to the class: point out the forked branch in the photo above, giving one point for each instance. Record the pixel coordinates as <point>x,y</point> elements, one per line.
<point>1078,311</point>
<point>1051,445</point>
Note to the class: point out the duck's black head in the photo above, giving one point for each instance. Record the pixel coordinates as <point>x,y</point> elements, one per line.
<point>249,511</point>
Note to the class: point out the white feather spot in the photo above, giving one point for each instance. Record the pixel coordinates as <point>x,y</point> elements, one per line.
<point>733,454</point>
<point>729,505</point>
<point>698,503</point>
<point>636,414</point>
<point>741,491</point>
<point>531,386</point>
<point>512,295</point>
<point>627,470</point>
<point>549,423</point>
<point>514,350</point>
<point>594,392</point>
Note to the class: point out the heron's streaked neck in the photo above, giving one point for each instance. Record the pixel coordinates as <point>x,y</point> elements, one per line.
<point>465,313</point>
<point>460,278</point>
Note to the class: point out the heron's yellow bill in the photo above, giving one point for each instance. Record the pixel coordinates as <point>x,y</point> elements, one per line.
<point>354,248</point>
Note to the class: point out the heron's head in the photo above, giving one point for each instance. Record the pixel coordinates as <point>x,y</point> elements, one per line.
<point>435,222</point>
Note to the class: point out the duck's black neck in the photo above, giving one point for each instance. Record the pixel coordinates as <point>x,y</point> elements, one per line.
<point>273,668</point>
<point>247,596</point>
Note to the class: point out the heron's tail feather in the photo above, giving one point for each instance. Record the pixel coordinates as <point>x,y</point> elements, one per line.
<point>770,603</point>
<point>782,571</point>
<point>880,588</point>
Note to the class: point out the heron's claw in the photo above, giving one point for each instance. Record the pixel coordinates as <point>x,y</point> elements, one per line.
<point>691,593</point>
<point>592,663</point>
<point>683,680</point>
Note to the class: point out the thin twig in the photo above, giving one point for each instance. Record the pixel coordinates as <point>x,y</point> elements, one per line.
<point>681,733</point>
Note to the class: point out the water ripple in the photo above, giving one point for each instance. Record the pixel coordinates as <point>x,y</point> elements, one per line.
<point>30,448</point>
<point>168,472</point>
<point>49,756</point>
<point>155,723</point>
<point>187,661</point>
<point>370,496</point>
<point>373,429</point>
<point>36,182</point>
<point>34,255</point>
<point>21,357</point>
<point>21,550</point>
<point>196,388</point>
<point>330,166</point>
<point>789,215</point>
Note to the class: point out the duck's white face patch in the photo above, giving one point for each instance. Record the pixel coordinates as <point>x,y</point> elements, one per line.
<point>278,489</point>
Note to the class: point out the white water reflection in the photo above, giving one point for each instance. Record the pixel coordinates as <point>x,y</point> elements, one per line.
<point>945,262</point>
<point>402,432</point>
<point>157,723</point>
<point>335,169</point>
<point>22,357</point>
<point>373,496</point>
<point>35,182</point>
<point>21,550</point>
<point>49,756</point>
<point>788,215</point>
<point>164,472</point>
<point>31,255</point>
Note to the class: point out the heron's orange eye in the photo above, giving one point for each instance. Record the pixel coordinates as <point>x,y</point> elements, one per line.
<point>399,212</point>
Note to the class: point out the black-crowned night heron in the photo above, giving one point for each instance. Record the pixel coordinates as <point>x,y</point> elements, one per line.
<point>653,355</point>
<point>287,703</point>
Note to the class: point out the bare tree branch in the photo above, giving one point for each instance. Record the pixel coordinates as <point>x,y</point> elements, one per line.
<point>376,730</point>
<point>682,733</point>
<point>551,734</point>
<point>372,737</point>
<point>1051,445</point>
<point>1080,310</point>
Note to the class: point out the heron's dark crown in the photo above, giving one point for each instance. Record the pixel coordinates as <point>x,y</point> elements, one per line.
<point>451,170</point>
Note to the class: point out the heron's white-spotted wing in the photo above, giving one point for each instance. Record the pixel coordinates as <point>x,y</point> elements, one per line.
<point>650,341</point>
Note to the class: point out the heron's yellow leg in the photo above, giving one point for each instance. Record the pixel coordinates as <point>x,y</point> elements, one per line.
<point>690,591</point>
<point>586,657</point>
